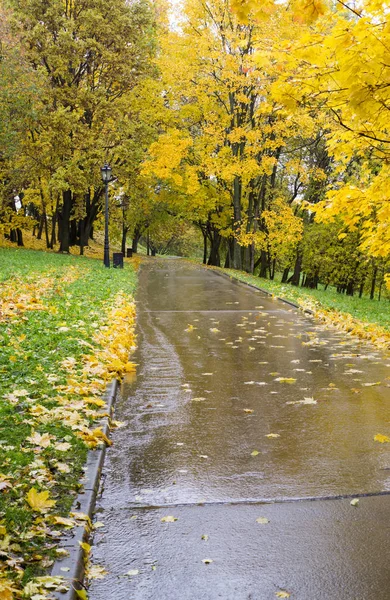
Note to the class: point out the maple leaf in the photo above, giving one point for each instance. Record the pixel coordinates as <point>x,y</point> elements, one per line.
<point>382,439</point>
<point>43,441</point>
<point>168,519</point>
<point>39,501</point>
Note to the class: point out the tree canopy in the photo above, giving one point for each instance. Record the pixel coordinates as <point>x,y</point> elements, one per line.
<point>261,125</point>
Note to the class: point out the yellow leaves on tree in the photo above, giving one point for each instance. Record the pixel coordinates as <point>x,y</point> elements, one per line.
<point>335,68</point>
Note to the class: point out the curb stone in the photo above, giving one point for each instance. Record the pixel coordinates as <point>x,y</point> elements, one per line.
<point>259,289</point>
<point>71,567</point>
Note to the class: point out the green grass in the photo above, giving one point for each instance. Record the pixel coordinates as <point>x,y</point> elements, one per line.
<point>34,345</point>
<point>362,309</point>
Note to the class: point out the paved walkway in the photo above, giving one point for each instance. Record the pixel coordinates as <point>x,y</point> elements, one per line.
<point>244,411</point>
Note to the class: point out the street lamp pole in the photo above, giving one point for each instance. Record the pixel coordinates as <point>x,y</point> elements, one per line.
<point>106,176</point>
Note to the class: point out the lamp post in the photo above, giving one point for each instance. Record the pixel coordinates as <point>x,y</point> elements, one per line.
<point>106,176</point>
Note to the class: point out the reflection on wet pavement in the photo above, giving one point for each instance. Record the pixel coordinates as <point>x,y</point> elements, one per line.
<point>238,397</point>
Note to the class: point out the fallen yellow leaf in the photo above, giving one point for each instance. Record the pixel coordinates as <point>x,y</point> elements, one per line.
<point>39,501</point>
<point>262,520</point>
<point>381,438</point>
<point>64,521</point>
<point>86,547</point>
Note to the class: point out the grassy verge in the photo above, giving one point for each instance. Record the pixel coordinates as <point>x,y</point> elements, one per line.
<point>364,318</point>
<point>66,328</point>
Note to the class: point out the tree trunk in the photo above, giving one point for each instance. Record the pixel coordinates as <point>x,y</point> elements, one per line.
<point>373,283</point>
<point>236,257</point>
<point>82,236</point>
<point>285,274</point>
<point>53,239</point>
<point>228,259</point>
<point>247,259</point>
<point>73,233</point>
<point>263,264</point>
<point>252,256</point>
<point>19,237</point>
<point>136,237</point>
<point>296,277</point>
<point>272,272</point>
<point>214,258</point>
<point>64,221</point>
<point>204,247</point>
<point>125,229</point>
<point>40,228</point>
<point>46,232</point>
<point>350,288</point>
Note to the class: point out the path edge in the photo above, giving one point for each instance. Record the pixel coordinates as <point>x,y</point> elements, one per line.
<point>259,289</point>
<point>72,567</point>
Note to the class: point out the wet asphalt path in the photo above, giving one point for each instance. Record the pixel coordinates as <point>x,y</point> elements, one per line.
<point>244,409</point>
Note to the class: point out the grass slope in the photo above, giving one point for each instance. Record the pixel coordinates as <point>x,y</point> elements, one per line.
<point>365,318</point>
<point>66,328</point>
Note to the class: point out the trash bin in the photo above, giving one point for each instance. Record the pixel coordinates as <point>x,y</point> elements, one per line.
<point>129,253</point>
<point>117,259</point>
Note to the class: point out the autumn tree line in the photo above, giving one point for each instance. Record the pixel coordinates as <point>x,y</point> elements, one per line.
<point>253,132</point>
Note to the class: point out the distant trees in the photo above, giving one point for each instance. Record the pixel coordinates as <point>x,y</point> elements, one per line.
<point>262,125</point>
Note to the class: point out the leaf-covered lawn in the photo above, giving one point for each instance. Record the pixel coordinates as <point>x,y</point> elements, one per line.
<point>365,318</point>
<point>66,329</point>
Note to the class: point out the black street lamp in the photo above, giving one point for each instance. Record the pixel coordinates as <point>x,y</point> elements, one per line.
<point>106,176</point>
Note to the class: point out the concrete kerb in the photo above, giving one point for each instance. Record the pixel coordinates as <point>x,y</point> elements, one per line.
<point>259,289</point>
<point>71,567</point>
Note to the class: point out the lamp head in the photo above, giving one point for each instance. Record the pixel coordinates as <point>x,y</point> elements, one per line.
<point>106,173</point>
